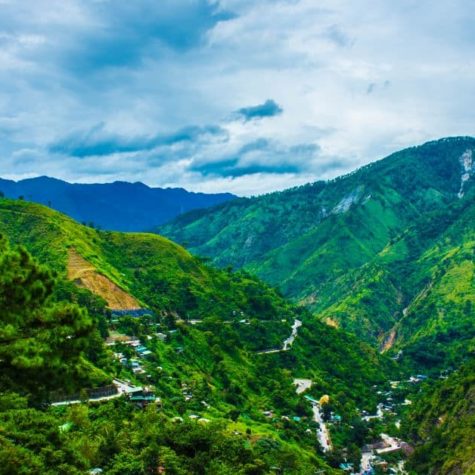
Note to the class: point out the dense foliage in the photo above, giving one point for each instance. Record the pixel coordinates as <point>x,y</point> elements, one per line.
<point>443,426</point>
<point>44,348</point>
<point>390,258</point>
<point>209,368</point>
<point>42,344</point>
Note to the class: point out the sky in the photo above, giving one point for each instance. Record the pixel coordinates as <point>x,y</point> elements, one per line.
<point>244,96</point>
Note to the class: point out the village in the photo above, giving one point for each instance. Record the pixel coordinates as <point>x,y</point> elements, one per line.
<point>140,370</point>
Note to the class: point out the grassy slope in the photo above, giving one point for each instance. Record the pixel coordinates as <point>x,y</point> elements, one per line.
<point>418,289</point>
<point>364,266</point>
<point>161,274</point>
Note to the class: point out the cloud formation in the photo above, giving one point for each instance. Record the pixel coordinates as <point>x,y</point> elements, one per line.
<point>269,108</point>
<point>227,95</point>
<point>98,141</point>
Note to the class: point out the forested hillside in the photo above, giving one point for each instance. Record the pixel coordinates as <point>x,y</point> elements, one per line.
<point>205,334</point>
<point>443,426</point>
<point>385,252</point>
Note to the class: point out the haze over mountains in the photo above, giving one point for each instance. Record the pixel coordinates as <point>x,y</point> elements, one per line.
<point>118,206</point>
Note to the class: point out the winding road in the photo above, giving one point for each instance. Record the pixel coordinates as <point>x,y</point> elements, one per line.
<point>122,388</point>
<point>323,434</point>
<point>288,342</point>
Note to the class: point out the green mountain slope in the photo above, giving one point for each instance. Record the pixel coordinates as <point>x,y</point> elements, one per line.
<point>367,251</point>
<point>44,346</point>
<point>216,359</point>
<point>442,425</point>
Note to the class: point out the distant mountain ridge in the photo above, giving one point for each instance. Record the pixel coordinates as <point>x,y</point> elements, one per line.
<point>386,251</point>
<point>117,206</point>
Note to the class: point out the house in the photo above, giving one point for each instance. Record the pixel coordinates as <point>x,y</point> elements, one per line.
<point>142,397</point>
<point>382,464</point>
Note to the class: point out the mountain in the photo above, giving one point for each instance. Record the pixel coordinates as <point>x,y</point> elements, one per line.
<point>214,340</point>
<point>118,206</point>
<point>385,252</point>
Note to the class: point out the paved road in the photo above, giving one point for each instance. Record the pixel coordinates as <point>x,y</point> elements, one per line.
<point>77,401</point>
<point>288,342</point>
<point>392,444</point>
<point>122,388</point>
<point>323,434</point>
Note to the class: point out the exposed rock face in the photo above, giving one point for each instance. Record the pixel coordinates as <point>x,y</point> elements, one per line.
<point>348,201</point>
<point>466,162</point>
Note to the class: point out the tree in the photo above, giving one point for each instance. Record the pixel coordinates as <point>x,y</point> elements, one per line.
<point>41,343</point>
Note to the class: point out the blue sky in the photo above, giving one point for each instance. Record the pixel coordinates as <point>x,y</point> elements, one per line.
<point>246,96</point>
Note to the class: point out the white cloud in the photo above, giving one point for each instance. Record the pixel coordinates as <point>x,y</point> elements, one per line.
<point>355,79</point>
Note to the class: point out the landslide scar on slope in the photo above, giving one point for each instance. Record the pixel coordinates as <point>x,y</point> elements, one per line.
<point>84,274</point>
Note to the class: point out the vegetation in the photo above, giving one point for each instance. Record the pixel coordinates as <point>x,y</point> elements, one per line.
<point>42,344</point>
<point>209,368</point>
<point>390,258</point>
<point>385,252</point>
<point>442,424</point>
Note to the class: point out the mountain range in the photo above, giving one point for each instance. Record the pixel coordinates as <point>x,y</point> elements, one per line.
<point>118,206</point>
<point>385,252</point>
<point>218,372</point>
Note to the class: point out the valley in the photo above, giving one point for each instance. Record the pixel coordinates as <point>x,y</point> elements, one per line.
<point>385,252</point>
<point>145,356</point>
<point>237,237</point>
